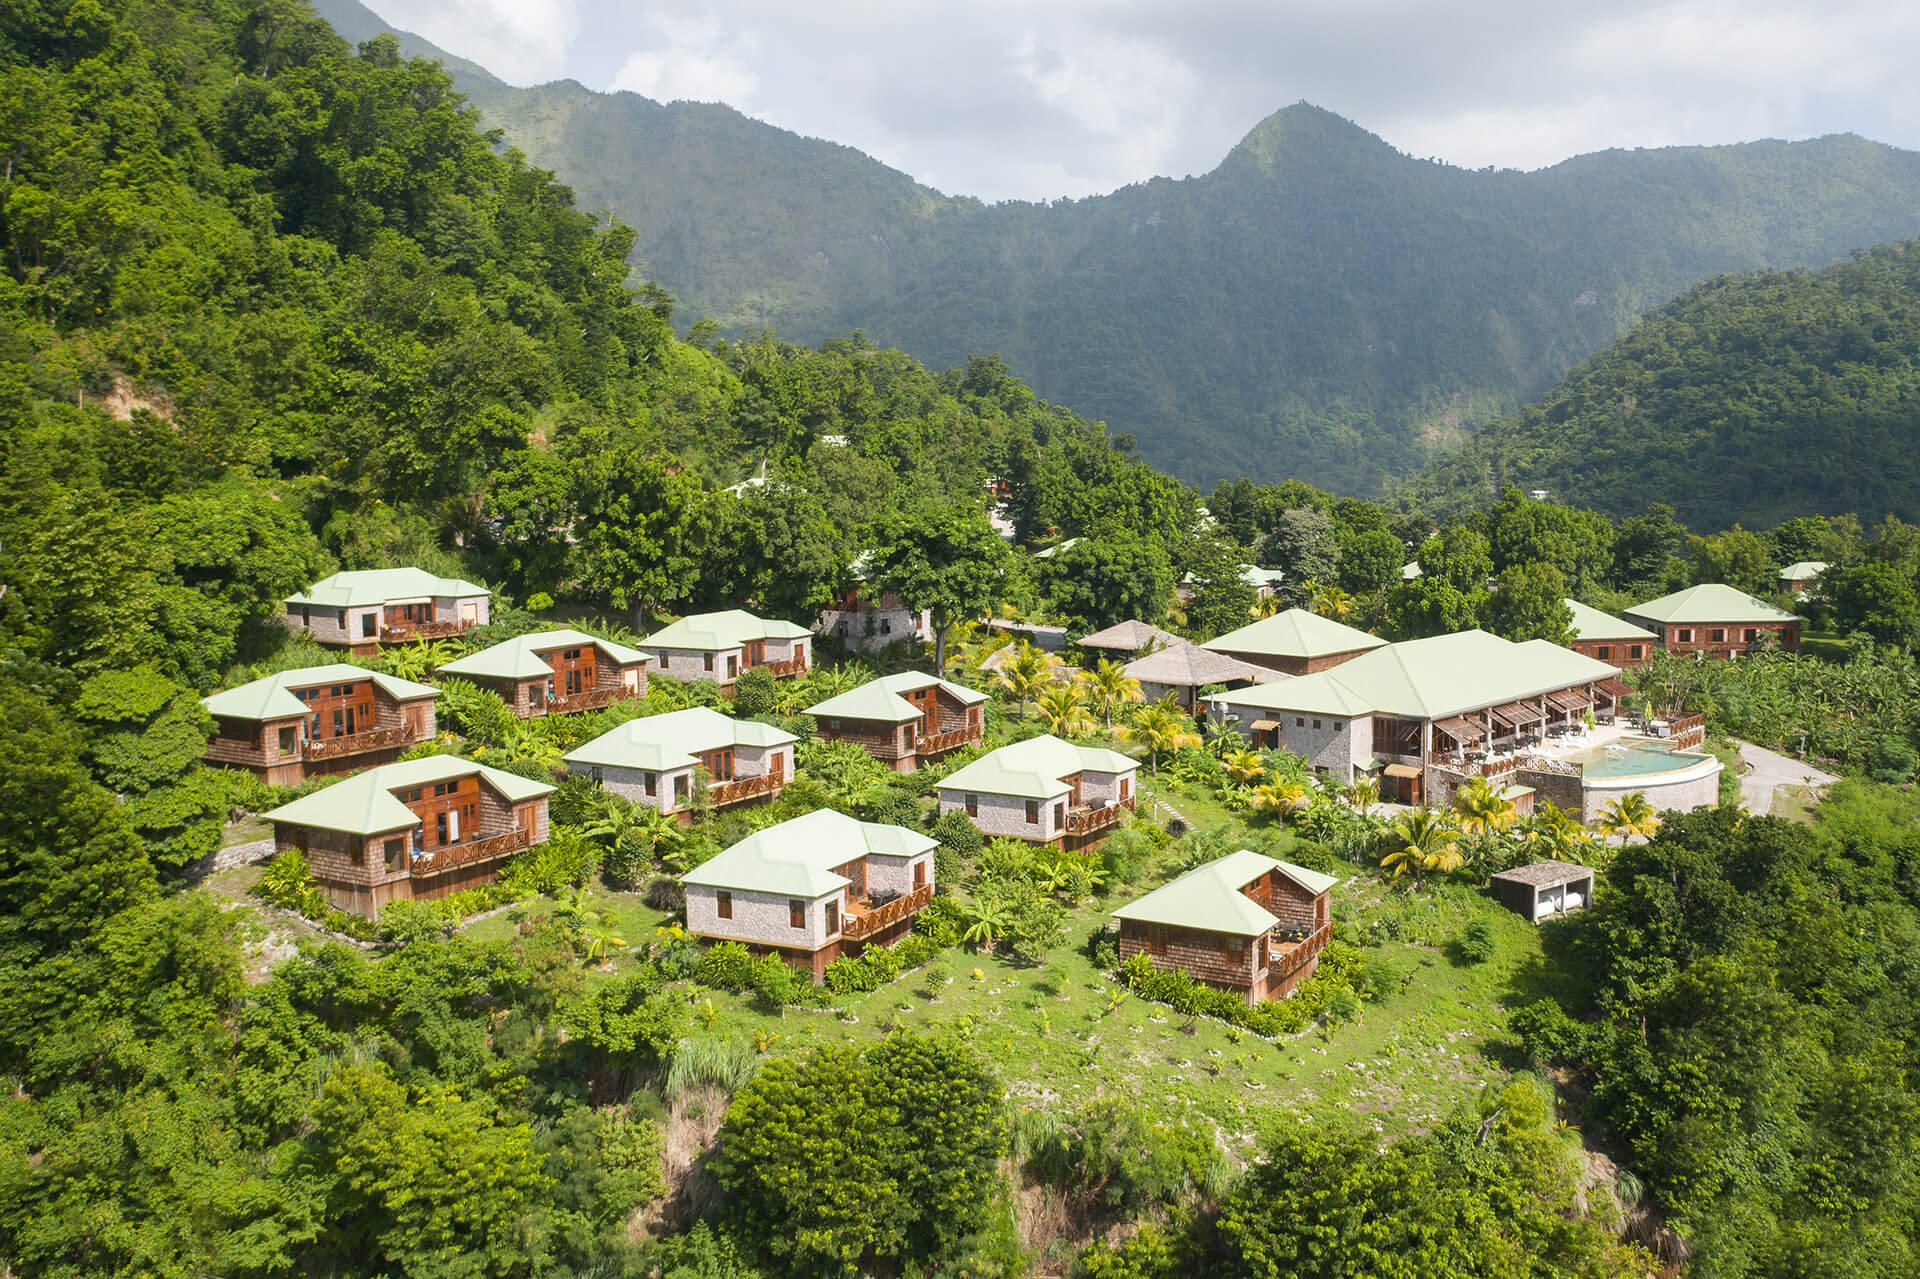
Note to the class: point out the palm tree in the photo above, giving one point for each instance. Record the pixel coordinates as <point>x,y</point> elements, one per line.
<point>641,826</point>
<point>1265,604</point>
<point>1366,793</point>
<point>1159,728</point>
<point>1332,602</point>
<point>1177,611</point>
<point>1279,798</point>
<point>1480,810</point>
<point>987,921</point>
<point>1628,815</point>
<point>1422,841</point>
<point>1552,832</point>
<point>1110,686</point>
<point>1065,712</point>
<point>1025,673</point>
<point>1244,766</point>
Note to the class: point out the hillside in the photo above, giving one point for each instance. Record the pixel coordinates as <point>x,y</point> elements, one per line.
<point>1319,305</point>
<point>1751,397</point>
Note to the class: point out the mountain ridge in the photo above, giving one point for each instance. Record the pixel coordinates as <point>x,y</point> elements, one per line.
<point>1319,304</point>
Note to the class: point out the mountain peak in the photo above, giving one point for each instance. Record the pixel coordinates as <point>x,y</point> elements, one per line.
<point>1301,128</point>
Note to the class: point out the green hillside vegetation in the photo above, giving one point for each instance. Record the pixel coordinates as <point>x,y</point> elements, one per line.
<point>1318,306</point>
<point>1752,398</point>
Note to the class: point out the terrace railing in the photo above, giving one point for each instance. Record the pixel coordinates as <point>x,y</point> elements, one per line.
<point>782,670</point>
<point>1689,731</point>
<point>1087,821</point>
<point>861,926</point>
<point>1286,965</point>
<point>743,788</point>
<point>438,861</point>
<point>936,743</point>
<point>591,700</point>
<point>407,631</point>
<point>378,739</point>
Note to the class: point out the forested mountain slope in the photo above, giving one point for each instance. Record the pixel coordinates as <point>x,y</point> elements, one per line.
<point>1749,398</point>
<point>1319,305</point>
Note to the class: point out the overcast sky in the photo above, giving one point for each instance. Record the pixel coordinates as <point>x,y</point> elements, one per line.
<point>1035,99</point>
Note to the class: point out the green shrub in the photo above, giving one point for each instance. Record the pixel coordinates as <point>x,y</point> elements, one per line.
<point>774,980</point>
<point>942,920</point>
<point>1550,1035</point>
<point>956,833</point>
<point>755,693</point>
<point>1103,948</point>
<point>725,965</point>
<point>1478,943</point>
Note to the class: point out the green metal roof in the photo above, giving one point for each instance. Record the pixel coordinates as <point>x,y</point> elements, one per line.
<point>712,632</point>
<point>879,699</point>
<point>273,697</point>
<point>1708,603</point>
<point>519,657</point>
<point>1209,896</point>
<point>1261,579</point>
<point>1804,571</point>
<point>1033,769</point>
<point>1430,678</point>
<point>1592,624</point>
<point>675,739</point>
<point>380,586</point>
<point>1054,550</point>
<point>797,857</point>
<point>364,804</point>
<point>1294,633</point>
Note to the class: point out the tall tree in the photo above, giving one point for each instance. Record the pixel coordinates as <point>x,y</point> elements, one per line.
<point>946,559</point>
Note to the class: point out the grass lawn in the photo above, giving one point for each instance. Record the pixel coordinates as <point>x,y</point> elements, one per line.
<point>1795,803</point>
<point>1827,645</point>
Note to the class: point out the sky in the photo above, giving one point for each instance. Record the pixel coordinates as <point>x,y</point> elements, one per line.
<point>1040,99</point>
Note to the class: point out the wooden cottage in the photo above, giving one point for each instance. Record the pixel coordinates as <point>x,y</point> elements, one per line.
<point>903,719</point>
<point>656,760</point>
<point>813,888</point>
<point>303,723</point>
<point>555,672</point>
<point>1243,922</point>
<point>416,830</point>
<point>1044,790</point>
<point>724,646</point>
<point>364,609</point>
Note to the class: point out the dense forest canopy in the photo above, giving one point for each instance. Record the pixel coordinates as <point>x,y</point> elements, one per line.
<point>1752,398</point>
<point>1318,306</point>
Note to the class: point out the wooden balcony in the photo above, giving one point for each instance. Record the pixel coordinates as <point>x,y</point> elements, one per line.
<point>1297,954</point>
<point>591,700</point>
<point>1689,731</point>
<point>1086,821</point>
<point>406,632</point>
<point>940,743</point>
<point>1488,768</point>
<point>864,924</point>
<point>743,788</point>
<point>378,739</point>
<point>438,861</point>
<point>788,669</point>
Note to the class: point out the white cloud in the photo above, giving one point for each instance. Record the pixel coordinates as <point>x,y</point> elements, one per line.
<point>696,61</point>
<point>521,41</point>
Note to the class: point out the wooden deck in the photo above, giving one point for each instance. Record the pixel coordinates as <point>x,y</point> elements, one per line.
<point>743,788</point>
<point>1086,821</point>
<point>861,924</point>
<point>441,860</point>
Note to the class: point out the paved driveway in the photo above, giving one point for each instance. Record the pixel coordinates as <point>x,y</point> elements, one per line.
<point>1767,771</point>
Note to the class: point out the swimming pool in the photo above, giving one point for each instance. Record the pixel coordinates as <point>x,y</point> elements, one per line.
<point>1633,757</point>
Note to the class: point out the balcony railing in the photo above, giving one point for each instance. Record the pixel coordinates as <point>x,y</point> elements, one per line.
<point>1479,767</point>
<point>591,700</point>
<point>781,670</point>
<point>862,926</point>
<point>1082,823</point>
<point>953,739</point>
<point>406,631</point>
<point>1689,731</point>
<point>438,861</point>
<point>378,739</point>
<point>1286,965</point>
<point>743,788</point>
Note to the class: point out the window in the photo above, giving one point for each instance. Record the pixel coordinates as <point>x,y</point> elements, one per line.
<point>396,851</point>
<point>1337,725</point>
<point>1636,650</point>
<point>680,788</point>
<point>1316,723</point>
<point>1059,814</point>
<point>723,904</point>
<point>340,618</point>
<point>833,918</point>
<point>1685,636</point>
<point>1157,939</point>
<point>306,619</point>
<point>919,875</point>
<point>1033,812</point>
<point>1752,635</point>
<point>652,783</point>
<point>1299,723</point>
<point>886,626</point>
<point>706,660</point>
<point>1126,789</point>
<point>357,850</point>
<point>796,912</point>
<point>289,739</point>
<point>1603,652</point>
<point>833,726</point>
<point>733,666</point>
<point>973,805</point>
<point>1236,949</point>
<point>369,625</point>
<point>1718,635</point>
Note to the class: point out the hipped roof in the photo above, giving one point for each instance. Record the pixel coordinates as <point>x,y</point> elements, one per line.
<point>880,699</point>
<point>1709,602</point>
<point>273,697</point>
<point>797,857</point>
<point>364,804</point>
<point>1130,636</point>
<point>1295,633</point>
<point>1209,896</point>
<point>1185,665</point>
<point>713,632</point>
<point>519,657</point>
<point>1591,624</point>
<point>675,740</point>
<point>1033,769</point>
<point>382,585</point>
